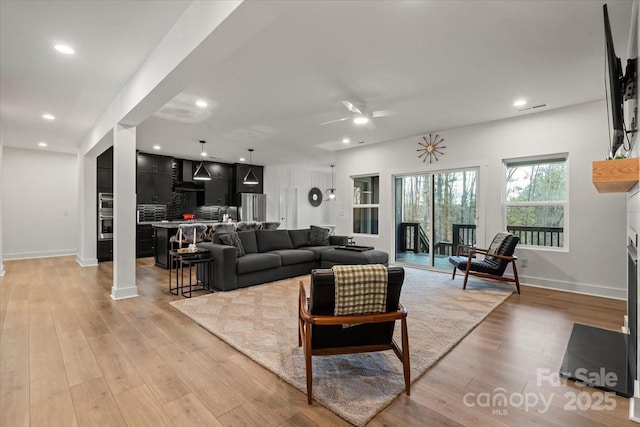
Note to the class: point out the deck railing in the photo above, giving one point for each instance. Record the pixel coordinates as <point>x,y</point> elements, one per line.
<point>538,236</point>
<point>462,234</point>
<point>465,234</point>
<point>411,237</point>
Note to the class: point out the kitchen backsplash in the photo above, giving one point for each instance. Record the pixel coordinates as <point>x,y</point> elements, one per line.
<point>208,213</point>
<point>148,212</point>
<point>154,212</point>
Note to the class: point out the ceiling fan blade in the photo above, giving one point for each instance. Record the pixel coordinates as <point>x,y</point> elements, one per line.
<point>381,113</point>
<point>335,121</point>
<point>351,107</point>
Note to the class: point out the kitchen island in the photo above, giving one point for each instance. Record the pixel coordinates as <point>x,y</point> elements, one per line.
<point>165,229</point>
<point>162,233</point>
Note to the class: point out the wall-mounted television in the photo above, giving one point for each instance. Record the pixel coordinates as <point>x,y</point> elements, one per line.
<point>614,78</point>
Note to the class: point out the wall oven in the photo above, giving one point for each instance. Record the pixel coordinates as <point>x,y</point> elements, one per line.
<point>105,201</point>
<point>105,216</point>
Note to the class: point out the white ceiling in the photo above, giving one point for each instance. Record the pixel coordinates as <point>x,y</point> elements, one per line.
<point>434,64</point>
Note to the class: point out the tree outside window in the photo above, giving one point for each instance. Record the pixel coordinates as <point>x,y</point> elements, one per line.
<point>366,191</point>
<point>536,200</point>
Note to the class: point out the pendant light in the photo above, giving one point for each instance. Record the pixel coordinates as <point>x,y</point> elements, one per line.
<point>331,192</point>
<point>250,178</point>
<point>202,174</point>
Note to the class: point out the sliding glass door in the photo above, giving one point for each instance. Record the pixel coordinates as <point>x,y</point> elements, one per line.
<point>435,212</point>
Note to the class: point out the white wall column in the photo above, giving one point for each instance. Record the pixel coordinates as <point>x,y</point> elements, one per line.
<point>124,213</point>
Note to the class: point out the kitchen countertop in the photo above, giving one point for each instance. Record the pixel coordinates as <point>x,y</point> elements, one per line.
<point>176,223</point>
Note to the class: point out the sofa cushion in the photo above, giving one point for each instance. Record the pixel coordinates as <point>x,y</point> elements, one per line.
<point>299,238</point>
<point>248,239</point>
<point>318,236</point>
<point>232,239</point>
<point>317,250</point>
<point>294,256</point>
<point>271,240</point>
<point>257,262</point>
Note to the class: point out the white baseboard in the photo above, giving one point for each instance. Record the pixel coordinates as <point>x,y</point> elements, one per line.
<point>634,404</point>
<point>48,254</point>
<point>578,288</point>
<point>91,262</point>
<point>122,293</point>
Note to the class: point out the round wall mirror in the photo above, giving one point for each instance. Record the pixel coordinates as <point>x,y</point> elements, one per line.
<point>315,196</point>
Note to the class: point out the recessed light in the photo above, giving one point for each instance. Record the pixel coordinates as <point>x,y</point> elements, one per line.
<point>361,120</point>
<point>346,141</point>
<point>519,102</point>
<point>156,147</point>
<point>42,144</point>
<point>48,116</point>
<point>242,159</point>
<point>201,103</point>
<point>63,48</point>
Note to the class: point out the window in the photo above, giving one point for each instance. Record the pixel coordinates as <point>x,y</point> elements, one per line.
<point>536,200</point>
<point>366,191</point>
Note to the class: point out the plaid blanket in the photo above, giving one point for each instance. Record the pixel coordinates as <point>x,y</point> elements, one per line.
<point>360,289</point>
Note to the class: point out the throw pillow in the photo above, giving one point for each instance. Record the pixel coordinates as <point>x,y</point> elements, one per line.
<point>232,239</point>
<point>318,236</point>
<point>496,244</point>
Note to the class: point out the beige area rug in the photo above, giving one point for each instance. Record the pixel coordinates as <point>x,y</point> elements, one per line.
<point>261,322</point>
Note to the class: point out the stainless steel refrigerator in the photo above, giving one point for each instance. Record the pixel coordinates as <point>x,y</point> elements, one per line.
<point>253,207</point>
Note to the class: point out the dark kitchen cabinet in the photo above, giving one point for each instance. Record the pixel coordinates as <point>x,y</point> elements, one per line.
<point>105,171</point>
<point>241,169</point>
<point>163,246</point>
<point>154,179</point>
<point>155,164</point>
<point>218,190</point>
<point>105,180</point>
<point>105,160</point>
<point>145,241</point>
<point>105,250</point>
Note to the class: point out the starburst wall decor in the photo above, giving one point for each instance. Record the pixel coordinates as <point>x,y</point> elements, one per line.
<point>431,148</point>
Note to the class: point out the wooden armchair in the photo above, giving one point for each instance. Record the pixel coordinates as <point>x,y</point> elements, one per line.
<point>493,263</point>
<point>321,333</point>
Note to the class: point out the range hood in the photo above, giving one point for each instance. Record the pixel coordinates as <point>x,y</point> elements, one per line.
<point>185,178</point>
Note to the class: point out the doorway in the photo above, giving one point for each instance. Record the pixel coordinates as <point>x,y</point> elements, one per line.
<point>288,208</point>
<point>434,213</point>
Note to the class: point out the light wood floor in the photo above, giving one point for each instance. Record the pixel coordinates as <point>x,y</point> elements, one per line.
<point>69,355</point>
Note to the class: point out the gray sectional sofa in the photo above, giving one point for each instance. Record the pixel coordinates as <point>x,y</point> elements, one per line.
<point>269,255</point>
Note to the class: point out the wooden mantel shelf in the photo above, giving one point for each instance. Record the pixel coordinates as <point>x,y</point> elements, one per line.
<point>617,175</point>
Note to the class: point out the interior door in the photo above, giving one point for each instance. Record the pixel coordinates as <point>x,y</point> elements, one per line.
<point>288,208</point>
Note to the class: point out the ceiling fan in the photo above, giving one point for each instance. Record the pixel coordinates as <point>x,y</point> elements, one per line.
<point>361,116</point>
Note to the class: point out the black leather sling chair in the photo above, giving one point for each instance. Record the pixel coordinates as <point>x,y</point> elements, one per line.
<point>492,262</point>
<point>320,332</point>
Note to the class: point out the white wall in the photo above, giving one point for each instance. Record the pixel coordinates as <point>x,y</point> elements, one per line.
<point>304,179</point>
<point>1,193</point>
<point>40,203</point>
<point>595,260</point>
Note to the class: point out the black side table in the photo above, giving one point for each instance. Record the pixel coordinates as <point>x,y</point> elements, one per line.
<point>182,260</point>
